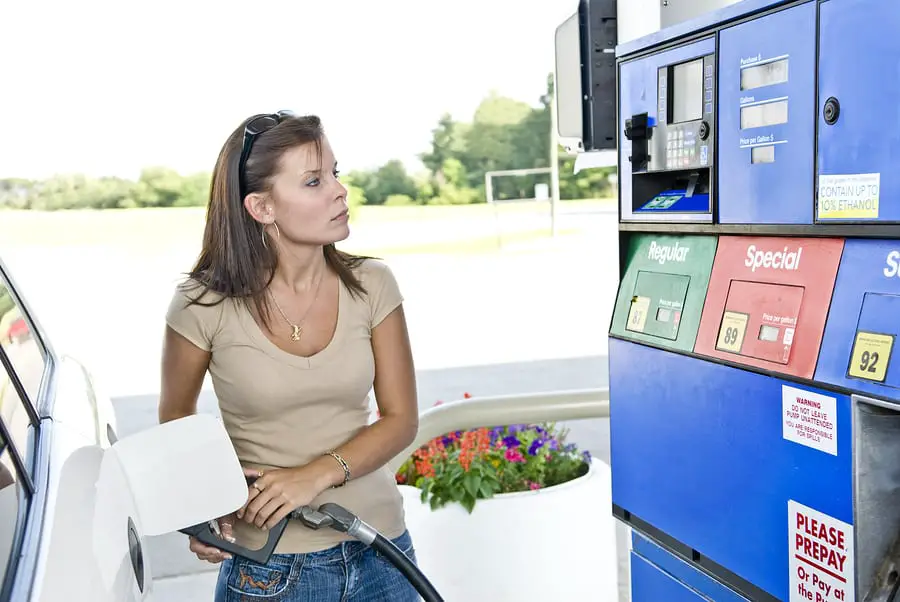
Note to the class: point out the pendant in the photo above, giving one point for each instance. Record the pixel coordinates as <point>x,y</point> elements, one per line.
<point>295,336</point>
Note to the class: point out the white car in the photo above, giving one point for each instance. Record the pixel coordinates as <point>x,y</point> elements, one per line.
<point>75,504</point>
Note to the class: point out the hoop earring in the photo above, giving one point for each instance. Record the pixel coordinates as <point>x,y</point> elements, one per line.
<point>277,234</point>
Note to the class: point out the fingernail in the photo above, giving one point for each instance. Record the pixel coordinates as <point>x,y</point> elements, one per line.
<point>240,515</point>
<point>230,539</point>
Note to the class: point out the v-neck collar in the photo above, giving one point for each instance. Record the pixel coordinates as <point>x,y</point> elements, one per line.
<point>312,361</point>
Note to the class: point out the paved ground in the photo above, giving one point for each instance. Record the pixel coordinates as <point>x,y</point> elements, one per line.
<point>106,305</point>
<point>522,320</point>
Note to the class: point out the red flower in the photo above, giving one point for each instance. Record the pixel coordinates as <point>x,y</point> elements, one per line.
<point>474,444</point>
<point>514,455</point>
<point>424,467</point>
<point>436,448</point>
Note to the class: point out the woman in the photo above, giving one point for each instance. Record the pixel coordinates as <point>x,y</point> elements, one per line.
<point>295,334</point>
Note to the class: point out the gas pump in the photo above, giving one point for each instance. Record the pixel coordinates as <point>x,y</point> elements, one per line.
<point>754,395</point>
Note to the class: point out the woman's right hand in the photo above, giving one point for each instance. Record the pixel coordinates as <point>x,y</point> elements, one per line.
<point>211,553</point>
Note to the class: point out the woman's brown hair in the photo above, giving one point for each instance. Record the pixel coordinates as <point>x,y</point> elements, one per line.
<point>234,261</point>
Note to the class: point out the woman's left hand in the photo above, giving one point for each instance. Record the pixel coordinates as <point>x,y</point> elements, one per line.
<point>278,493</point>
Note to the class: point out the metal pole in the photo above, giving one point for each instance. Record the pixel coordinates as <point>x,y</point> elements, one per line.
<point>554,161</point>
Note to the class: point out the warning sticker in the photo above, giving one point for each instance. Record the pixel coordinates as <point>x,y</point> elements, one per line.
<point>809,419</point>
<point>849,196</point>
<point>821,556</point>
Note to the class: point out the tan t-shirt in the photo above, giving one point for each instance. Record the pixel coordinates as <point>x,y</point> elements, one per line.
<point>282,410</point>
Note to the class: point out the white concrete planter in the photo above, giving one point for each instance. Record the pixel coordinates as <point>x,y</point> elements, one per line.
<point>557,543</point>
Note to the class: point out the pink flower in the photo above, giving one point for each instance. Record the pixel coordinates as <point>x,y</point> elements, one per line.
<point>514,455</point>
<point>533,486</point>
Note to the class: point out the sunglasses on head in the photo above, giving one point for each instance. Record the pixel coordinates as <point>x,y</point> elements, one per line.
<point>256,126</point>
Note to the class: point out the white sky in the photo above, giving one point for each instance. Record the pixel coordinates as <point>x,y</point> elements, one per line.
<point>105,87</point>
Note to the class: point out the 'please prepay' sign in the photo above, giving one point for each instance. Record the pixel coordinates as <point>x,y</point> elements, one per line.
<point>821,556</point>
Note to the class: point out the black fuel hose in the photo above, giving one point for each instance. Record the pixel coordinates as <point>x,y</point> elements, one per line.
<point>407,567</point>
<point>340,519</point>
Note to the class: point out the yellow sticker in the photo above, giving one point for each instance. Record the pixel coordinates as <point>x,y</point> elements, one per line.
<point>849,196</point>
<point>637,315</point>
<point>731,333</point>
<point>870,356</point>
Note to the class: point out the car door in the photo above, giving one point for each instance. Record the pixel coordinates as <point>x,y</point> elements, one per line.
<point>76,508</point>
<point>26,369</point>
<point>54,429</point>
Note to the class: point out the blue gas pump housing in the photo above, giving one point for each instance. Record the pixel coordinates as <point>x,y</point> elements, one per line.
<point>762,462</point>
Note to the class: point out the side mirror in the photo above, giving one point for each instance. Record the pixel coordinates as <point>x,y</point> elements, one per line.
<point>161,480</point>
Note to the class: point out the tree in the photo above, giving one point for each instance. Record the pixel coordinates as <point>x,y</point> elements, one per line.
<point>444,144</point>
<point>504,134</point>
<point>389,179</point>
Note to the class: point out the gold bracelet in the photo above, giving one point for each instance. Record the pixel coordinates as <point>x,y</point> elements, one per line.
<point>343,464</point>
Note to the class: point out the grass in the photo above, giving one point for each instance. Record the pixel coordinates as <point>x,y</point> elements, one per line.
<point>158,228</point>
<point>374,214</point>
<point>465,246</point>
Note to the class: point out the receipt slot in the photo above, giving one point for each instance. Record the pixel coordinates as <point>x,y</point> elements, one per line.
<point>767,83</point>
<point>768,301</point>
<point>858,152</point>
<point>861,337</point>
<point>661,293</point>
<point>667,125</point>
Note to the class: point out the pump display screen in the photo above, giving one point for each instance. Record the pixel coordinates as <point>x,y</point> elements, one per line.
<point>768,333</point>
<point>767,74</point>
<point>765,114</point>
<point>687,91</point>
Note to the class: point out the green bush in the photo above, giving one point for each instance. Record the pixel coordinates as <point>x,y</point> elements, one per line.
<point>6,301</point>
<point>355,198</point>
<point>451,195</point>
<point>398,200</point>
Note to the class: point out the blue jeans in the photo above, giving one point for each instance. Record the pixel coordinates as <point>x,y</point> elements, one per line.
<point>348,572</point>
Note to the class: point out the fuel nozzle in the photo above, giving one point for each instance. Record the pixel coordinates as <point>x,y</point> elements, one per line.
<point>338,518</point>
<point>335,516</point>
<point>312,518</point>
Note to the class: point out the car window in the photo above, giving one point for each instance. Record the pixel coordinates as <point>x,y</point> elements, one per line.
<point>13,499</point>
<point>17,419</point>
<point>22,346</point>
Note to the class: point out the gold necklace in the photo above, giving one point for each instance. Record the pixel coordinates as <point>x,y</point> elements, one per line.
<point>297,329</point>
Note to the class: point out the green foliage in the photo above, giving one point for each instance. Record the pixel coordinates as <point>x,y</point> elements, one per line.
<point>389,179</point>
<point>504,134</point>
<point>156,187</point>
<point>6,301</point>
<point>453,195</point>
<point>399,200</point>
<point>466,466</point>
<point>356,196</point>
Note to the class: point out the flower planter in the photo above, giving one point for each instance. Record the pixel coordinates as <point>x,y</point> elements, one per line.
<point>557,543</point>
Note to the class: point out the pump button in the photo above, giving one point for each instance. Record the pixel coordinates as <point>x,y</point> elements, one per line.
<point>832,110</point>
<point>704,131</point>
